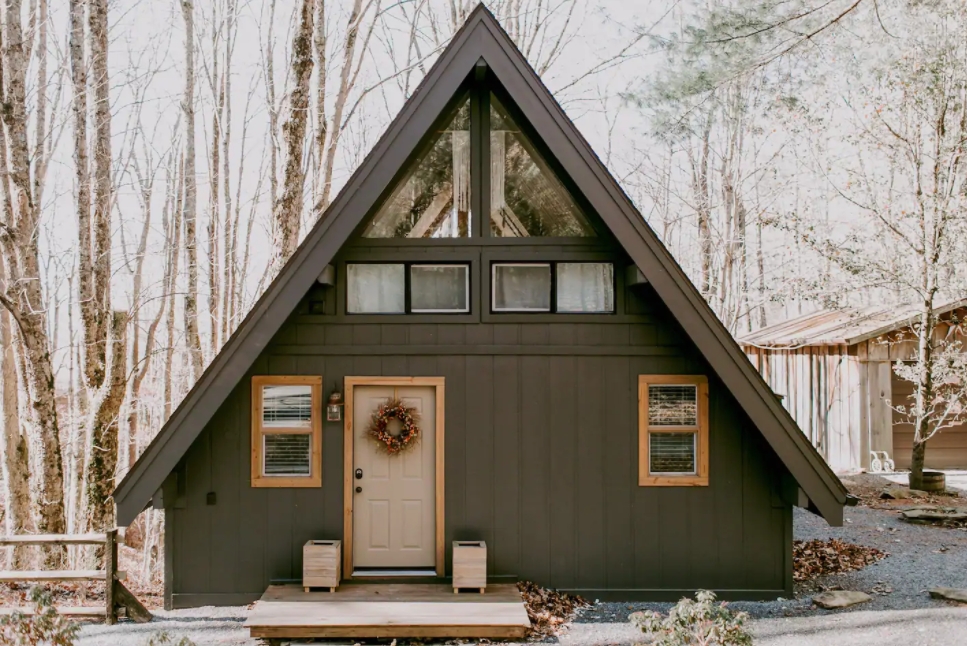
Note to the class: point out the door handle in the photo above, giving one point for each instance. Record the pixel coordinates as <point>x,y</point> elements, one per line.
<point>359,474</point>
<point>359,490</point>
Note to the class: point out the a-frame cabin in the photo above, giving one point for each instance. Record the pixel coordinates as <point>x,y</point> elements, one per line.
<point>582,410</point>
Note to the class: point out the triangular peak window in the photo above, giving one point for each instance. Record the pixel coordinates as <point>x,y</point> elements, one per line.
<point>433,198</point>
<point>526,197</point>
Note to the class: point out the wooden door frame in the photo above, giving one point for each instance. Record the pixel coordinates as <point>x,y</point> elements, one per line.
<point>348,436</point>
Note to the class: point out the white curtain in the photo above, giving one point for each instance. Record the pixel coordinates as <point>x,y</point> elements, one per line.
<point>375,289</point>
<point>585,287</point>
<point>439,288</point>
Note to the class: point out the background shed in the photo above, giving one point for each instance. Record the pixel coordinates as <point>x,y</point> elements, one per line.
<point>834,373</point>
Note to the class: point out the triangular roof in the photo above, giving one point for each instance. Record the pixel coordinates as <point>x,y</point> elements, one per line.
<point>841,327</point>
<point>481,37</point>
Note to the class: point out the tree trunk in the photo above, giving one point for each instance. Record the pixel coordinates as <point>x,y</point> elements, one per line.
<point>273,109</point>
<point>916,465</point>
<point>140,369</point>
<point>98,27</point>
<point>171,284</point>
<point>288,212</point>
<point>703,205</point>
<point>103,451</point>
<point>346,80</point>
<point>322,124</point>
<point>90,312</point>
<point>229,239</point>
<point>218,90</point>
<point>190,207</point>
<point>24,297</point>
<point>13,449</point>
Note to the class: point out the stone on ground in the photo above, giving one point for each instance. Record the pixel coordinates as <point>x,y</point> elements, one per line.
<point>895,493</point>
<point>835,599</point>
<point>933,515</point>
<point>949,594</point>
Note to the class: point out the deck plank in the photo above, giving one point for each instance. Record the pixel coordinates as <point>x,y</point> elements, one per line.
<point>389,610</point>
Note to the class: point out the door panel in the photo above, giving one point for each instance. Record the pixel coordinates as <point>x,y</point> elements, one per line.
<point>394,524</point>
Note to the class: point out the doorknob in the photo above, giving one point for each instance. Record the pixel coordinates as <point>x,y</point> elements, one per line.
<point>359,490</point>
<point>359,474</point>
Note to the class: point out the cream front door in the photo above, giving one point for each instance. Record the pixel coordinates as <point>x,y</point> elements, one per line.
<point>394,523</point>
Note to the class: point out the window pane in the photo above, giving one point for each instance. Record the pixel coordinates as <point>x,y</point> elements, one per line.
<point>287,406</point>
<point>672,405</point>
<point>522,288</point>
<point>526,198</point>
<point>375,289</point>
<point>433,199</point>
<point>671,452</point>
<point>287,455</point>
<point>585,287</point>
<point>439,288</point>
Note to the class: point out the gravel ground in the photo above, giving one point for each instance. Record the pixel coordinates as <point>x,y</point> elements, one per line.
<point>924,627</point>
<point>206,625</point>
<point>921,557</point>
<point>900,614</point>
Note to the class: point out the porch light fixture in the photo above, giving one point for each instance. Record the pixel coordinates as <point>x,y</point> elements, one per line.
<point>334,406</point>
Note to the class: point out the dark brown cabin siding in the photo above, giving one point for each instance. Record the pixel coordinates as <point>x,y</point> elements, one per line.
<point>541,455</point>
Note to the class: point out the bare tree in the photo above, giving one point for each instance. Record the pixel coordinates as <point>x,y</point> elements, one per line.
<point>23,296</point>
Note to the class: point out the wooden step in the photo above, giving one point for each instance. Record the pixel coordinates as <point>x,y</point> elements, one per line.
<point>54,539</point>
<point>11,576</point>
<point>67,611</point>
<point>389,611</point>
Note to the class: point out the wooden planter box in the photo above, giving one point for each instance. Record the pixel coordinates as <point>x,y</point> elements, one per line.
<point>469,565</point>
<point>321,564</point>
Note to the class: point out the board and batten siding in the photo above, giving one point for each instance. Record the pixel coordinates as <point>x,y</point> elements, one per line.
<point>822,388</point>
<point>540,461</point>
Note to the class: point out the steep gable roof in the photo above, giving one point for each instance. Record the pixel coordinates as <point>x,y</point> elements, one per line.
<point>481,37</point>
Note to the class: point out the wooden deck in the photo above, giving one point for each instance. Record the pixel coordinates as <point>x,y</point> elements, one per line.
<point>389,610</point>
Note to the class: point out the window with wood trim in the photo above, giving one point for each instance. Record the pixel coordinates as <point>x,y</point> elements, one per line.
<point>672,430</point>
<point>286,431</point>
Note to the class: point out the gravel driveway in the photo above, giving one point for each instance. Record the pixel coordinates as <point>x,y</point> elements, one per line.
<point>901,612</point>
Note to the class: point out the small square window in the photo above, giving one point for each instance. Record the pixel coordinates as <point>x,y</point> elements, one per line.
<point>375,289</point>
<point>439,288</point>
<point>521,288</point>
<point>585,287</point>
